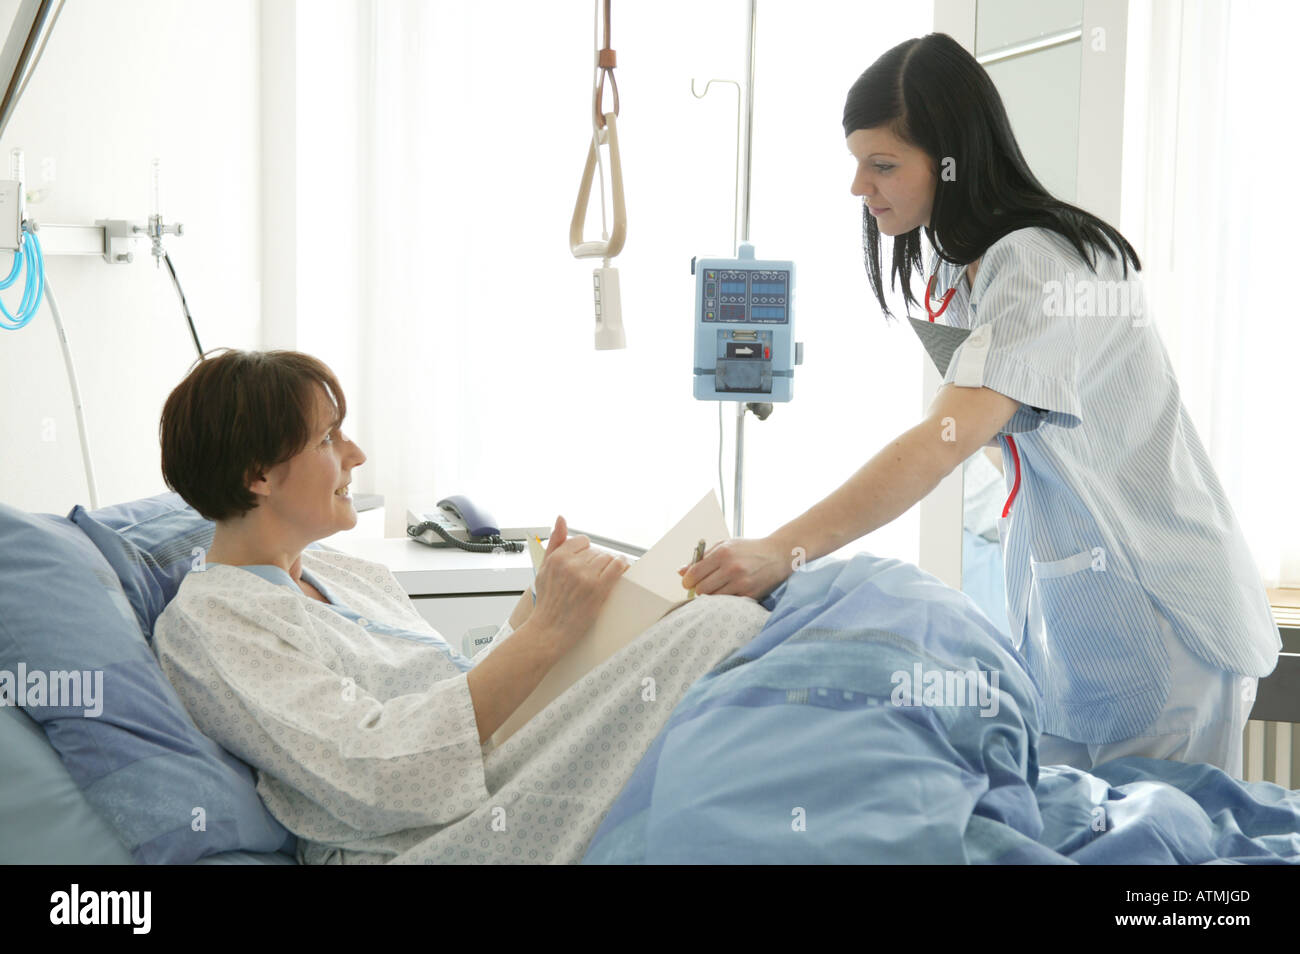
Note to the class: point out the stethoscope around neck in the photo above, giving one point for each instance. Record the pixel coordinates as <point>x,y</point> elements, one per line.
<point>943,306</point>
<point>929,295</point>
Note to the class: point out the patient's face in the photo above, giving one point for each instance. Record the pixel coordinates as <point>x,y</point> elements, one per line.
<point>304,496</point>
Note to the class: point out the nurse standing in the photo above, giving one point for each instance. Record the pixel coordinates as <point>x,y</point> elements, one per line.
<point>1130,590</point>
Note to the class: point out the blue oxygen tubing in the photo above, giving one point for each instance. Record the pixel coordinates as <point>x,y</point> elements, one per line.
<point>29,260</point>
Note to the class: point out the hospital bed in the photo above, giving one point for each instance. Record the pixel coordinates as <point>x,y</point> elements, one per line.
<point>140,784</point>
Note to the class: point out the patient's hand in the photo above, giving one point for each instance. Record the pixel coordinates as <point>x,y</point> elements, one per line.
<point>559,533</point>
<point>572,585</point>
<point>524,608</point>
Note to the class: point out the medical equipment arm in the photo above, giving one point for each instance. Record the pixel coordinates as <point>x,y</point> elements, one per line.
<point>959,422</point>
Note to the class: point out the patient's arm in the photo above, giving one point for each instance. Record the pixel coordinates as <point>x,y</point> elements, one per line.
<point>522,610</point>
<point>507,675</point>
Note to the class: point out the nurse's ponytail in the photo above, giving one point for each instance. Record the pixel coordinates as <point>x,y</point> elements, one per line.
<point>932,93</point>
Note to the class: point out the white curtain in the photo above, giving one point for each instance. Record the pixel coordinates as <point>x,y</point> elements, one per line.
<point>1214,207</point>
<point>477,372</point>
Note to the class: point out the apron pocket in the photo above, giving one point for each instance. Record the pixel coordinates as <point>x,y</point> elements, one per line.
<point>1105,666</point>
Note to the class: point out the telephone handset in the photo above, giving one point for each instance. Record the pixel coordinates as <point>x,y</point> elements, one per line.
<point>458,522</point>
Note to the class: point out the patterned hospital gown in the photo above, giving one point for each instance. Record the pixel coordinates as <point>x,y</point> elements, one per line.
<point>358,719</point>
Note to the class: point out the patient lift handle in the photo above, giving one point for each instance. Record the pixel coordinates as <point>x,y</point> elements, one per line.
<point>604,132</point>
<point>614,245</point>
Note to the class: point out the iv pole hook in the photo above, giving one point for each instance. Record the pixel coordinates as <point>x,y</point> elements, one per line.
<point>735,203</point>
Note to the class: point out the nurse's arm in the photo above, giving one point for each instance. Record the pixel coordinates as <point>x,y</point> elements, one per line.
<point>960,421</point>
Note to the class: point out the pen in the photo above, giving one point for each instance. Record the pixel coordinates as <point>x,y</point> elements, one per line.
<point>696,557</point>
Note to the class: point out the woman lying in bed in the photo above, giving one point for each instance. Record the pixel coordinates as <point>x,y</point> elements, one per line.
<point>367,729</point>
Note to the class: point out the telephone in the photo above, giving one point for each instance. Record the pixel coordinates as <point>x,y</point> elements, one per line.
<point>458,522</point>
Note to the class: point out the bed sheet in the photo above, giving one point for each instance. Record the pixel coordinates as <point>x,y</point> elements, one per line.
<point>880,717</point>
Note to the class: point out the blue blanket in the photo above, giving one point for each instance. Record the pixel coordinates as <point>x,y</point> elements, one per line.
<point>880,717</point>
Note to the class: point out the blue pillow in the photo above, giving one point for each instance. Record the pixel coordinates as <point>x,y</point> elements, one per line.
<point>153,512</point>
<point>141,761</point>
<point>151,544</point>
<point>143,582</point>
<point>44,817</point>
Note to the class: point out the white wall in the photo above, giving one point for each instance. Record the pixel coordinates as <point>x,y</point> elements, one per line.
<point>120,84</point>
<point>464,188</point>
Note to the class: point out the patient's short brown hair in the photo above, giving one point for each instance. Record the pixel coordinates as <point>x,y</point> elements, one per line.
<point>235,416</point>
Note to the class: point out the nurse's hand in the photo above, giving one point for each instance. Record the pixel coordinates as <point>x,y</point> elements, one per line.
<point>573,584</point>
<point>740,567</point>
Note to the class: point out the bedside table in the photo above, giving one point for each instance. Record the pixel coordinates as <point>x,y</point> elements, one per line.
<point>453,589</point>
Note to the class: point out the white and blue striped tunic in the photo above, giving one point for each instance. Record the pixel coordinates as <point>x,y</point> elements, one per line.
<point>1120,518</point>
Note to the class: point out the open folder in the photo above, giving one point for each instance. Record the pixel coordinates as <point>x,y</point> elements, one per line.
<point>646,592</point>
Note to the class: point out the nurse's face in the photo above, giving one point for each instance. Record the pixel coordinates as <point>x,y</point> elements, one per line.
<point>895,179</point>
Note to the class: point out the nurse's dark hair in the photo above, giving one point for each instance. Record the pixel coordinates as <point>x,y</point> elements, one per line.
<point>236,415</point>
<point>930,92</point>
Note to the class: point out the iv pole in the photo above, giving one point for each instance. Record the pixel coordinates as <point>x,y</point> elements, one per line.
<point>744,238</point>
<point>745,133</point>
